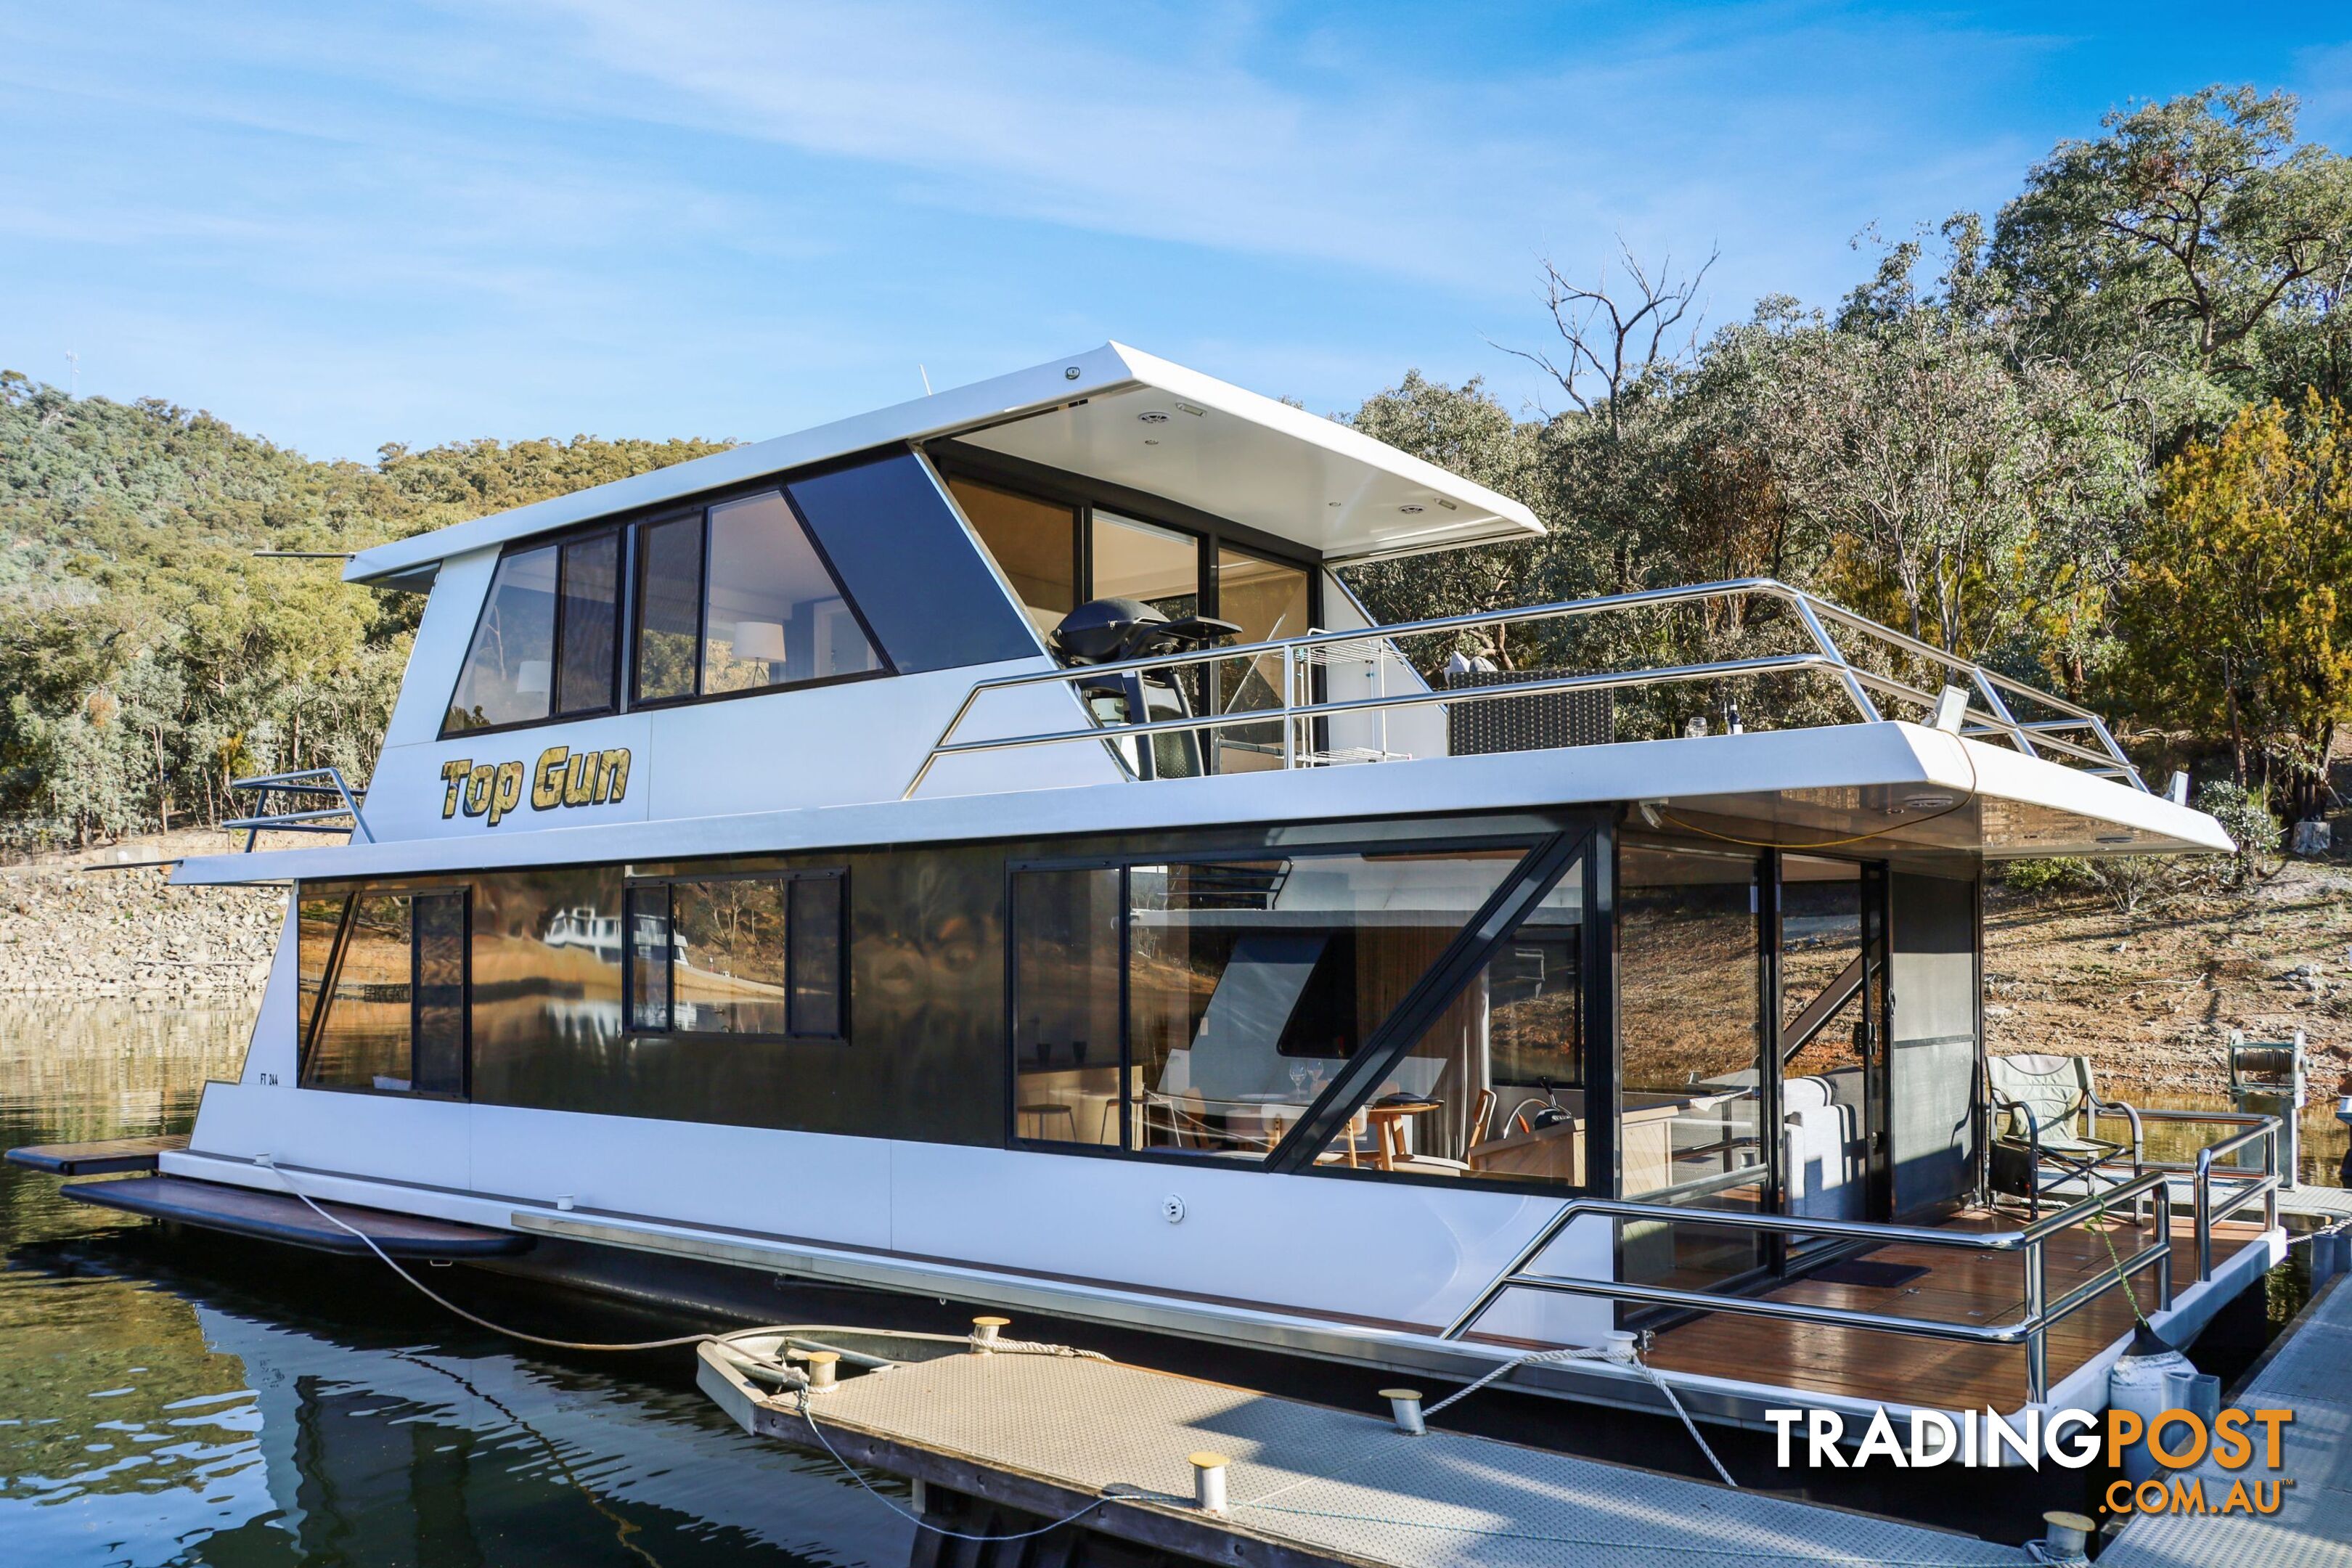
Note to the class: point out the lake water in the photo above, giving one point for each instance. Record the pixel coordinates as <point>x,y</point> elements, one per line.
<point>232,1405</point>
<point>213,1402</point>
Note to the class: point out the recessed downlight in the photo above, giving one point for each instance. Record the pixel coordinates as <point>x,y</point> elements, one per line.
<point>1154,416</point>
<point>1411,509</point>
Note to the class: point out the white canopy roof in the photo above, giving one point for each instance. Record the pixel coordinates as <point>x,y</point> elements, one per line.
<point>1113,413</point>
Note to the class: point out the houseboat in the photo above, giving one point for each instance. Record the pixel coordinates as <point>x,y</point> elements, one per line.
<point>984,851</point>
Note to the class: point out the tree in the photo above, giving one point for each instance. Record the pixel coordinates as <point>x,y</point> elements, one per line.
<point>2175,240</point>
<point>2237,615</point>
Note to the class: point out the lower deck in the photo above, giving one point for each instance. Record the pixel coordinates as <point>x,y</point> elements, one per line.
<point>1947,1285</point>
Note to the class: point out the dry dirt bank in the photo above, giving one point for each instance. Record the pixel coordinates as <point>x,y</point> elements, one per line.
<point>2152,997</point>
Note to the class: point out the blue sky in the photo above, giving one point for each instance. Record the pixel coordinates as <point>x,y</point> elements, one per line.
<point>345,225</point>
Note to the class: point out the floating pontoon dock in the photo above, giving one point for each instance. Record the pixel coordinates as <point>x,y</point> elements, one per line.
<point>2309,1372</point>
<point>1307,1485</point>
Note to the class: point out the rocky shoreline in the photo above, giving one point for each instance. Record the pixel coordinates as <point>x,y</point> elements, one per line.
<point>90,925</point>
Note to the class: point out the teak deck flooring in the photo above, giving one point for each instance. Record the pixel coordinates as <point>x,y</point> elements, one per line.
<point>1958,1286</point>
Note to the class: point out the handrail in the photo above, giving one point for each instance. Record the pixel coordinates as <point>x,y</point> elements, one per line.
<point>2034,737</point>
<point>311,782</point>
<point>2265,1186</point>
<point>2030,1331</point>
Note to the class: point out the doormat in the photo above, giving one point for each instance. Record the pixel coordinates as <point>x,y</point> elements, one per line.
<point>1864,1271</point>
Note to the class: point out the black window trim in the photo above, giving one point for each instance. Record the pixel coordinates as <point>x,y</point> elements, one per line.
<point>953,460</point>
<point>629,1029</point>
<point>624,563</point>
<point>778,486</point>
<point>1570,837</point>
<point>350,893</point>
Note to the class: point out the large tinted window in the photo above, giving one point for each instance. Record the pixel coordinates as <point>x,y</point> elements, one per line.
<point>1035,543</point>
<point>670,608</point>
<point>738,955</point>
<point>1251,982</point>
<point>774,614</point>
<point>1494,1088</point>
<point>1070,1085</point>
<point>390,1015</point>
<point>509,669</point>
<point>545,644</point>
<point>1690,1032</point>
<point>588,625</point>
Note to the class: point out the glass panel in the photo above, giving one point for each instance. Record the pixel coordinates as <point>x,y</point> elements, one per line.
<point>650,945</point>
<point>363,1041</point>
<point>774,615</point>
<point>1267,600</point>
<point>669,602</point>
<point>592,586</point>
<point>546,986</point>
<point>1688,1018</point>
<point>1066,1035</point>
<point>1250,983</point>
<point>727,968</point>
<point>440,1051</point>
<point>1137,560</point>
<point>508,670</point>
<point>1035,542</point>
<point>314,941</point>
<point>1821,957</point>
<point>817,912</point>
<point>1504,1065</point>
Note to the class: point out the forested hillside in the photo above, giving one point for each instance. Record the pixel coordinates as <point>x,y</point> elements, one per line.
<point>2098,439</point>
<point>147,655</point>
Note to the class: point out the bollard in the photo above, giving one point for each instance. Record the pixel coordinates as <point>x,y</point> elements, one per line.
<point>1617,1344</point>
<point>985,1331</point>
<point>2069,1537</point>
<point>1404,1409</point>
<point>2200,1394</point>
<point>1208,1481</point>
<point>821,1364</point>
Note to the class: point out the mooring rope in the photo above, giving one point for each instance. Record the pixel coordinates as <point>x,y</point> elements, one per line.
<point>1586,1353</point>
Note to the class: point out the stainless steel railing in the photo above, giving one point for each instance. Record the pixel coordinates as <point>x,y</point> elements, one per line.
<point>2149,1192</point>
<point>2075,735</point>
<point>307,785</point>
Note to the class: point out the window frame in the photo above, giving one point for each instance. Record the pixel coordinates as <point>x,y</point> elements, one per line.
<point>630,1030</point>
<point>777,485</point>
<point>953,460</point>
<point>1580,837</point>
<point>625,565</point>
<point>351,894</point>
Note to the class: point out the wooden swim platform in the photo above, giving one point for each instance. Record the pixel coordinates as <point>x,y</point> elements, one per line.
<point>280,1217</point>
<point>1307,1484</point>
<point>108,1156</point>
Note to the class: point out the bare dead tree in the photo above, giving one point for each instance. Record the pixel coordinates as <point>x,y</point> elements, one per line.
<point>1612,342</point>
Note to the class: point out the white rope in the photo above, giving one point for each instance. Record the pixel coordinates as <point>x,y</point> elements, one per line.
<point>918,1521</point>
<point>444,1302</point>
<point>1586,1353</point>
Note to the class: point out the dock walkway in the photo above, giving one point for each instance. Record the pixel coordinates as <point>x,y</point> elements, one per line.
<point>1308,1484</point>
<point>2310,1373</point>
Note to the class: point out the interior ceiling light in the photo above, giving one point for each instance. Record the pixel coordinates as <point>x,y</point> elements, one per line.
<point>1152,417</point>
<point>1188,408</point>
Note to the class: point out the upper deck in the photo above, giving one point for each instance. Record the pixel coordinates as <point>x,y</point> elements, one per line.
<point>844,636</point>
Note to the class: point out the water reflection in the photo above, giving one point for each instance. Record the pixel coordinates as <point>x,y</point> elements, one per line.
<point>213,1402</point>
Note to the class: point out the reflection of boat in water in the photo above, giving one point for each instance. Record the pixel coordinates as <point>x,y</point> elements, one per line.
<point>468,1455</point>
<point>941,853</point>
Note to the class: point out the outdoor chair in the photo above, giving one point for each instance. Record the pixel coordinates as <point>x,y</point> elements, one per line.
<point>2046,1112</point>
